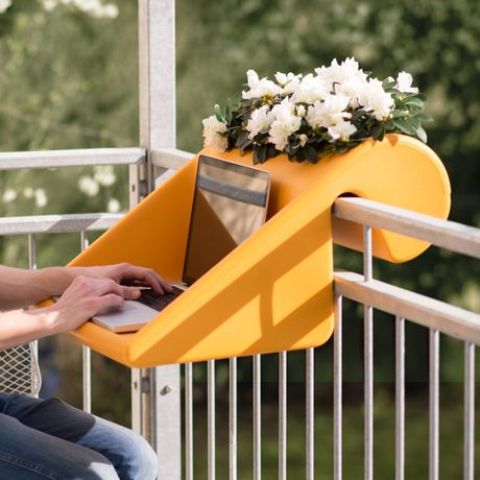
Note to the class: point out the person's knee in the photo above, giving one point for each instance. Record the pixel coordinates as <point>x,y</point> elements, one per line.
<point>95,471</point>
<point>130,453</point>
<point>142,458</point>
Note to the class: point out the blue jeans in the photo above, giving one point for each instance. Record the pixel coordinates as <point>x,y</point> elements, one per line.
<point>49,439</point>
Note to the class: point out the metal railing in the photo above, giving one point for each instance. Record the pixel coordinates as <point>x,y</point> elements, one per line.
<point>439,317</point>
<point>19,369</point>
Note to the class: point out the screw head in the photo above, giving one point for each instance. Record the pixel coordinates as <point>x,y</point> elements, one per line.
<point>166,390</point>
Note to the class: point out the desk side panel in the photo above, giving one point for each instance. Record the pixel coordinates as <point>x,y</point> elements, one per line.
<point>153,234</point>
<point>272,293</point>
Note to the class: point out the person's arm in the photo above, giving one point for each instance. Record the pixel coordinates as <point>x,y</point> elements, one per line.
<point>20,288</point>
<point>85,291</point>
<point>81,300</point>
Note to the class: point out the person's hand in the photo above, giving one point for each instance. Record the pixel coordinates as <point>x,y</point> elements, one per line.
<point>87,296</point>
<point>127,273</point>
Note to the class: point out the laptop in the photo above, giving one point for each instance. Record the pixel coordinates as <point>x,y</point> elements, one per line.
<point>229,204</point>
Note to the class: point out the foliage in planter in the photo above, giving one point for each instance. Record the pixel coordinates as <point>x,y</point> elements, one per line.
<point>307,117</point>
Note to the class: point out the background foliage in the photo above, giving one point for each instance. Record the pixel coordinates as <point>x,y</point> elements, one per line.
<point>69,80</point>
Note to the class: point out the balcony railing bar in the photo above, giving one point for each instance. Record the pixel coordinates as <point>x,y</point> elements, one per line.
<point>57,223</point>
<point>257,417</point>
<point>450,235</point>
<point>211,419</point>
<point>232,418</point>
<point>337,391</point>
<point>399,398</point>
<point>86,352</point>
<point>71,158</point>
<point>189,421</point>
<point>282,416</point>
<point>170,158</point>
<point>34,366</point>
<point>310,412</point>
<point>368,357</point>
<point>434,403</point>
<point>449,319</point>
<point>469,412</point>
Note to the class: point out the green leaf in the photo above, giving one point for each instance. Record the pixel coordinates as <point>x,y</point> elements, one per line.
<point>378,132</point>
<point>311,154</point>
<point>405,126</point>
<point>260,154</point>
<point>400,113</point>
<point>217,111</point>
<point>414,102</point>
<point>422,134</point>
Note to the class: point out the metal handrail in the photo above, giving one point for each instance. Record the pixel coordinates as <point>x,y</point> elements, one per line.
<point>442,233</point>
<point>454,321</point>
<point>438,317</point>
<point>71,158</point>
<point>57,223</point>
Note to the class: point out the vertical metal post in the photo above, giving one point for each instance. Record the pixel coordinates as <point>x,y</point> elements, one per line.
<point>211,418</point>
<point>399,398</point>
<point>368,356</point>
<point>257,418</point>
<point>35,372</point>
<point>189,421</point>
<point>136,399</point>
<point>232,419</point>
<point>434,404</point>
<point>337,391</point>
<point>86,352</point>
<point>310,394</point>
<point>282,416</point>
<point>156,407</point>
<point>469,413</point>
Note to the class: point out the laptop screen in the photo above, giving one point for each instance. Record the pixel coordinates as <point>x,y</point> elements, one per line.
<point>229,204</point>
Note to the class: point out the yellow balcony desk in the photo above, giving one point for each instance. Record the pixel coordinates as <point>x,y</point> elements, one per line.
<point>273,292</point>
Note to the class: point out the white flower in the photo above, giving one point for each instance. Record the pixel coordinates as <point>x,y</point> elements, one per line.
<point>109,11</point>
<point>285,123</point>
<point>303,139</point>
<point>374,99</point>
<point>28,192</point>
<point>9,195</point>
<point>259,122</point>
<point>310,89</point>
<point>282,110</point>
<point>50,5</point>
<point>88,186</point>
<point>104,175</point>
<point>301,111</point>
<point>40,197</point>
<point>343,130</point>
<point>260,88</point>
<point>113,205</point>
<point>338,74</point>
<point>351,88</point>
<point>404,83</point>
<point>212,133</point>
<point>289,82</point>
<point>328,113</point>
<point>95,8</point>
<point>5,5</point>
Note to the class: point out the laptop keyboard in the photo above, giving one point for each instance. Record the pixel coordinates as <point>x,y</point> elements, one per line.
<point>156,301</point>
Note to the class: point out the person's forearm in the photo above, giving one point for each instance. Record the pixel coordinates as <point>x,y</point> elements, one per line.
<point>22,326</point>
<point>21,288</point>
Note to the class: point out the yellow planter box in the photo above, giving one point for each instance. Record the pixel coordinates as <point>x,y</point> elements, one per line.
<point>273,292</point>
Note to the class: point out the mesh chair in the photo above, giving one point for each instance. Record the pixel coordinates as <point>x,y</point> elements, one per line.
<point>19,370</point>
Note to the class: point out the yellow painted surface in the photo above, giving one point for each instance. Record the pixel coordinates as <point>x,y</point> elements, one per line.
<point>273,292</point>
